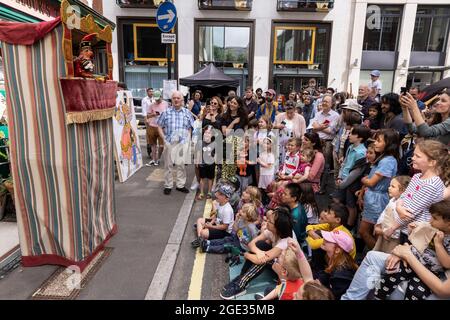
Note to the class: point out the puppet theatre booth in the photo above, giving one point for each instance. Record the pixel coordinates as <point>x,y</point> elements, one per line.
<point>61,140</point>
<point>210,81</point>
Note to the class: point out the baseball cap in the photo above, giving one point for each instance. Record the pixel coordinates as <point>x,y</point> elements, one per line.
<point>375,73</point>
<point>271,91</point>
<point>157,94</point>
<point>226,190</point>
<point>352,104</point>
<point>342,239</point>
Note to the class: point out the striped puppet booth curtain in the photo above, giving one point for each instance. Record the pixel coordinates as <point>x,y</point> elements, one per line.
<point>63,172</point>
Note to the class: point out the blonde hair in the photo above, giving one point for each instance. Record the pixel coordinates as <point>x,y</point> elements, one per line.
<point>314,290</point>
<point>268,122</point>
<point>309,154</point>
<point>255,195</point>
<point>437,151</point>
<point>297,141</point>
<point>249,212</point>
<point>403,181</point>
<point>291,265</point>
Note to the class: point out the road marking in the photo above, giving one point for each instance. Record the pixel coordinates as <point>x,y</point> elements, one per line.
<point>160,282</point>
<point>195,288</point>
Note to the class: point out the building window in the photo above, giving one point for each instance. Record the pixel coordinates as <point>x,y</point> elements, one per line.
<point>305,5</point>
<point>143,60</point>
<point>299,52</point>
<point>431,29</point>
<point>228,46</point>
<point>139,3</point>
<point>143,35</point>
<point>294,45</point>
<point>225,4</point>
<point>381,33</point>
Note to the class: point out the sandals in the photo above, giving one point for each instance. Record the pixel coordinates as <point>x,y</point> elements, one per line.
<point>200,197</point>
<point>209,195</point>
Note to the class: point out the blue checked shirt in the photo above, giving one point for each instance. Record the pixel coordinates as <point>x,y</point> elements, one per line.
<point>176,124</point>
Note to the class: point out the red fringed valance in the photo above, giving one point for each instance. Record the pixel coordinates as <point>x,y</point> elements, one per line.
<point>88,99</point>
<point>26,33</point>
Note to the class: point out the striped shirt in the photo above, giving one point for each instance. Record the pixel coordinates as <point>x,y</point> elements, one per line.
<point>418,197</point>
<point>291,164</point>
<point>176,124</point>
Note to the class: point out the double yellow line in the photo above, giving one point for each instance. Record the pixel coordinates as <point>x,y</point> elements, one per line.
<point>195,288</point>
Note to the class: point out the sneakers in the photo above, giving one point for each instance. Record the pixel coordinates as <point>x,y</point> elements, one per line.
<point>196,243</point>
<point>150,163</point>
<point>184,190</point>
<point>195,185</point>
<point>204,245</point>
<point>156,163</point>
<point>167,191</point>
<point>232,291</point>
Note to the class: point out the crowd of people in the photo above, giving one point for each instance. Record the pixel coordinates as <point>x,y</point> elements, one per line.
<point>264,160</point>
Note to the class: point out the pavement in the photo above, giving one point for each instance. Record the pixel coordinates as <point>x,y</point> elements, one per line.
<point>145,219</point>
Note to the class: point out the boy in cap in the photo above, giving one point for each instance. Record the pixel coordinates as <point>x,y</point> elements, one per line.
<point>375,84</point>
<point>221,222</point>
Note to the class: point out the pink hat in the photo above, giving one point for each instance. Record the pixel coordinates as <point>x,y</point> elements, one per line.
<point>342,239</point>
<point>271,91</point>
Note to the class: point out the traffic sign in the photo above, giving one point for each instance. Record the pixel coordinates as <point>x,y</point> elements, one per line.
<point>168,38</point>
<point>166,16</point>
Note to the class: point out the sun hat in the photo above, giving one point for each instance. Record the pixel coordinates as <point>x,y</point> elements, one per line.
<point>375,73</point>
<point>352,104</point>
<point>341,238</point>
<point>226,190</point>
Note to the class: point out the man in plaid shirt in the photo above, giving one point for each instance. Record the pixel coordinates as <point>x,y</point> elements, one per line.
<point>175,127</point>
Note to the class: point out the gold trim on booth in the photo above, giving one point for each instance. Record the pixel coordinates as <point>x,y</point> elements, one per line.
<point>87,24</point>
<point>87,116</point>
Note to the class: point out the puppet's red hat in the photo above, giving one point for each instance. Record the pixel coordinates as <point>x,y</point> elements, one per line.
<point>86,41</point>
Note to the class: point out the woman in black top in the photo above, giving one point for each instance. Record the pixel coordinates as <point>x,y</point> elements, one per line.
<point>234,119</point>
<point>213,116</point>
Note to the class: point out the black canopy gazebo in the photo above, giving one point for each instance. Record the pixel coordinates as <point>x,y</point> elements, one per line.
<point>211,81</point>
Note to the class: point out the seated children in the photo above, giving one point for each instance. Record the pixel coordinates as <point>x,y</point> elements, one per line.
<point>436,258</point>
<point>244,230</point>
<point>220,224</point>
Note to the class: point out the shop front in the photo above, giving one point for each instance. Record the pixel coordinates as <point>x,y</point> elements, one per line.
<point>300,51</point>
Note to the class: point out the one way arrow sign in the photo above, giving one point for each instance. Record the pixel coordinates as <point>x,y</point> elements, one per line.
<point>166,16</point>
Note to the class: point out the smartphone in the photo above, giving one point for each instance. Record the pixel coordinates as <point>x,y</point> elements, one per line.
<point>403,90</point>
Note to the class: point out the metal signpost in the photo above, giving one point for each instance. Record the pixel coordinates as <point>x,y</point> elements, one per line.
<point>166,17</point>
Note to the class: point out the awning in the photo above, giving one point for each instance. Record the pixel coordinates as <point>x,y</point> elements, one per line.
<point>210,77</point>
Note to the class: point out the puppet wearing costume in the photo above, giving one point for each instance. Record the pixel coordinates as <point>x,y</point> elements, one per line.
<point>84,66</point>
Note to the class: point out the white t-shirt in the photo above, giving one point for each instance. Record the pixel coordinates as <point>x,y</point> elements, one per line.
<point>145,104</point>
<point>376,85</point>
<point>281,243</point>
<point>268,158</point>
<point>225,215</point>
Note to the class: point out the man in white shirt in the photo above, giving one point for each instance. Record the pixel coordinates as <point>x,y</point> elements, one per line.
<point>325,124</point>
<point>145,104</point>
<point>375,85</point>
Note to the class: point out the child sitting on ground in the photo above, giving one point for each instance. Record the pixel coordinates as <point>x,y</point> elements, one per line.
<point>244,230</point>
<point>220,224</point>
<point>252,195</point>
<point>313,290</point>
<point>436,258</point>
<point>304,167</point>
<point>333,218</point>
<point>308,200</point>
<point>292,269</point>
<point>385,221</point>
